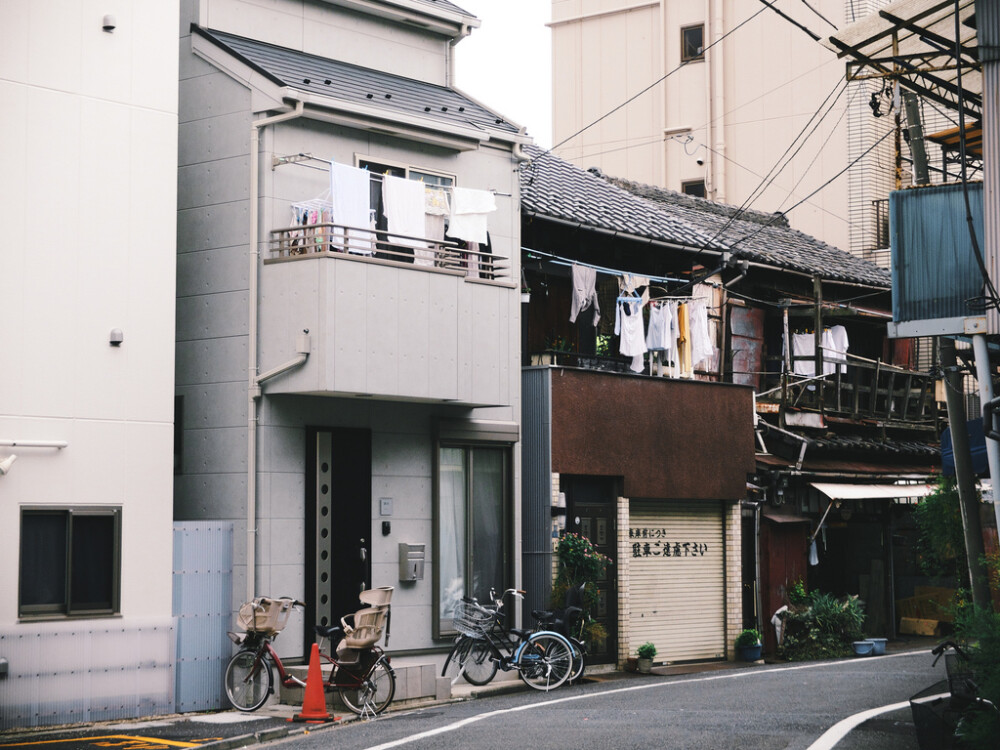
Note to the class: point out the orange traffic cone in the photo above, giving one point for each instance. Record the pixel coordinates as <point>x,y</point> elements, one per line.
<point>314,706</point>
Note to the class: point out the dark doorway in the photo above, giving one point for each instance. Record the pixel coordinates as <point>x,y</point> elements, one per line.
<point>591,512</point>
<point>338,523</point>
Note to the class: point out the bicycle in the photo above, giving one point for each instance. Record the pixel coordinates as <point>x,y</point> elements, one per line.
<point>543,659</point>
<point>569,622</point>
<point>359,670</point>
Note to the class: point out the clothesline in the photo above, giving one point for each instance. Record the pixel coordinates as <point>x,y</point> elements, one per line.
<point>561,261</point>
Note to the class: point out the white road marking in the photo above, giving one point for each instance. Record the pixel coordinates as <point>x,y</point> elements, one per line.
<point>614,691</point>
<point>838,731</point>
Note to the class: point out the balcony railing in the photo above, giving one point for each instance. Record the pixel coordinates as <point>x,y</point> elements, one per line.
<point>382,246</point>
<point>861,389</point>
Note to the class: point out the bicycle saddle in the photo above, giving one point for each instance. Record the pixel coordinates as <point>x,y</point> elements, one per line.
<point>329,631</point>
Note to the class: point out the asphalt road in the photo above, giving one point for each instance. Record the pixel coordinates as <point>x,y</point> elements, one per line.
<point>786,706</point>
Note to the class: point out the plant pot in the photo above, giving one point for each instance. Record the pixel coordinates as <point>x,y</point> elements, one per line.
<point>631,664</point>
<point>878,646</point>
<point>644,665</point>
<point>525,298</point>
<point>863,648</point>
<point>750,653</point>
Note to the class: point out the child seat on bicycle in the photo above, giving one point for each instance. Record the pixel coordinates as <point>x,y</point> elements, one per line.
<point>364,628</point>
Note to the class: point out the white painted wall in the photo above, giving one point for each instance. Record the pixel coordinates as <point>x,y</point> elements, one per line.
<point>744,104</point>
<point>88,141</point>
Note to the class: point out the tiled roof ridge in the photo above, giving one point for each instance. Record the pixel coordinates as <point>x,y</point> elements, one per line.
<point>665,195</point>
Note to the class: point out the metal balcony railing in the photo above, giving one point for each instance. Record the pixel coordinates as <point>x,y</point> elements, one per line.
<point>371,244</point>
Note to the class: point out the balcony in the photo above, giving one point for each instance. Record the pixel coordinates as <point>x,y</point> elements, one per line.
<point>861,390</point>
<point>390,317</point>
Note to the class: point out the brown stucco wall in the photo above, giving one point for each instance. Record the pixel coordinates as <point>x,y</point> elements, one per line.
<point>677,439</point>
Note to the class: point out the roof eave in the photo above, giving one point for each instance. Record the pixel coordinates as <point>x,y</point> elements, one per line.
<point>441,21</point>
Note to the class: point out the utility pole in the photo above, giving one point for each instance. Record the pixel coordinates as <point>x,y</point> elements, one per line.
<point>968,498</point>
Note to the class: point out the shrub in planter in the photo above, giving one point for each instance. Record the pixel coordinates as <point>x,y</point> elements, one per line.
<point>824,628</point>
<point>645,652</point>
<point>748,645</point>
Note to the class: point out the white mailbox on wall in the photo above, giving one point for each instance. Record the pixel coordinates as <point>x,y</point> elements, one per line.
<point>411,562</point>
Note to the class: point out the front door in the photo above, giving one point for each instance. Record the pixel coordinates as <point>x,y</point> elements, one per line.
<point>338,523</point>
<point>590,505</point>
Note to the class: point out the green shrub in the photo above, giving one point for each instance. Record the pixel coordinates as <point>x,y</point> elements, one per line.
<point>797,593</point>
<point>748,637</point>
<point>978,630</point>
<point>646,651</point>
<point>824,628</point>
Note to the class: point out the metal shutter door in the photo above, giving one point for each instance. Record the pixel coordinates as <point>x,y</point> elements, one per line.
<point>677,579</point>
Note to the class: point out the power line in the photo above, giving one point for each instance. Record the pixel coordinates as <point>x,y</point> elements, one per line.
<point>653,84</point>
<point>815,37</point>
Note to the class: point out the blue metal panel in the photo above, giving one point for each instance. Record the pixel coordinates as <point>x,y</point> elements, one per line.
<point>203,606</point>
<point>935,273</point>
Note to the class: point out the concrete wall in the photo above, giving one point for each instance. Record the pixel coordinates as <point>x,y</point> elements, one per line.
<point>744,104</point>
<point>88,139</point>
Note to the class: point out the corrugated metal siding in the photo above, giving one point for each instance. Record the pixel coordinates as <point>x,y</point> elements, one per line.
<point>86,670</point>
<point>203,606</point>
<point>934,270</point>
<point>536,487</point>
<point>677,579</point>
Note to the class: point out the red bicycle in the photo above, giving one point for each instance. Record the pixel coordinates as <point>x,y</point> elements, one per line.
<point>359,670</point>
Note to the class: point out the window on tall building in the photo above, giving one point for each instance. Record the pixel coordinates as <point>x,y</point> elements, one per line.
<point>694,187</point>
<point>70,561</point>
<point>693,43</point>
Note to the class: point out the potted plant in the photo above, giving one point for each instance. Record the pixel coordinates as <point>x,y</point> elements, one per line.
<point>645,652</point>
<point>748,645</point>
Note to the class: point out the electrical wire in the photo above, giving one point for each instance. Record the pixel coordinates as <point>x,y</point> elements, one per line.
<point>653,84</point>
<point>813,36</point>
<point>820,15</point>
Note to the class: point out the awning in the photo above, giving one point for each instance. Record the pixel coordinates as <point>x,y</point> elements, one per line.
<point>841,491</point>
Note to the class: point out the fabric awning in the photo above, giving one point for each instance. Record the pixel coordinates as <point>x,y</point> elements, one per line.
<point>843,491</point>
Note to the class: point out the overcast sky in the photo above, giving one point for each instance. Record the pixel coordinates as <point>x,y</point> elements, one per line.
<point>506,63</point>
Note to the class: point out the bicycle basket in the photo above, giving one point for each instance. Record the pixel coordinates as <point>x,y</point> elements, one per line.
<point>264,615</point>
<point>471,619</point>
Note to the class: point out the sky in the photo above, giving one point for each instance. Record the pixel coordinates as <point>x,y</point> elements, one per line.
<point>506,63</point>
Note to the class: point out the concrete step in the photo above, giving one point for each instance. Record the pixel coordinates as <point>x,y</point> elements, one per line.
<point>414,681</point>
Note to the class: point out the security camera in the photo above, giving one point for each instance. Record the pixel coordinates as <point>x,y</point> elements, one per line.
<point>6,464</point>
<point>699,162</point>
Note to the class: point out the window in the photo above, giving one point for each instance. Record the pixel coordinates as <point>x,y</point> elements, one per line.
<point>70,561</point>
<point>693,43</point>
<point>472,534</point>
<point>694,187</point>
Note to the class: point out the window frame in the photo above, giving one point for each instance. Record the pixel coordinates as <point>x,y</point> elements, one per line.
<point>700,55</point>
<point>685,184</point>
<point>66,609</point>
<point>467,437</point>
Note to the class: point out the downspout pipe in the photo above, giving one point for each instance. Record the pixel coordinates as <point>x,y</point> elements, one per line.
<point>253,386</point>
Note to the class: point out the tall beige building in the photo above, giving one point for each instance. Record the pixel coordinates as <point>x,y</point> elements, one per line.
<point>718,93</point>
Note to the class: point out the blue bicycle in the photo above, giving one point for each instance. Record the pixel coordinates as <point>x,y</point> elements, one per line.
<point>542,658</point>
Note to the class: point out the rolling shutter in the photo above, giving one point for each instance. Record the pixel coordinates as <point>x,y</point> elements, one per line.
<point>677,579</point>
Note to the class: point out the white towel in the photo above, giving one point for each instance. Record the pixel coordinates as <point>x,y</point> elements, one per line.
<point>349,194</point>
<point>404,208</point>
<point>469,209</point>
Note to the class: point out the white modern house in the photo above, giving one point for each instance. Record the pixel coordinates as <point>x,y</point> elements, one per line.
<point>348,309</point>
<point>88,96</point>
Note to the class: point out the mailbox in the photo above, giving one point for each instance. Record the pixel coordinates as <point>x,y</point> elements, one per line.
<point>411,562</point>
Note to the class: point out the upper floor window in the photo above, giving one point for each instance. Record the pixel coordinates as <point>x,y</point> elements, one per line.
<point>70,561</point>
<point>694,187</point>
<point>693,42</point>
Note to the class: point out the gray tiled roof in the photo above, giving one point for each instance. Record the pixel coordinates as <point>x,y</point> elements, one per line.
<point>354,84</point>
<point>551,186</point>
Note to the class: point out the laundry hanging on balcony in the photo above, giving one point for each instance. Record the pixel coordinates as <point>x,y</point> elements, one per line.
<point>584,293</point>
<point>469,209</point>
<point>405,211</point>
<point>349,188</point>
<point>629,327</point>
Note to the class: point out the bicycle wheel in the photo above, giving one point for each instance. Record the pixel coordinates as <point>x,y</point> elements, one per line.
<point>480,666</point>
<point>544,661</point>
<point>576,671</point>
<point>373,693</point>
<point>248,680</point>
<point>455,662</point>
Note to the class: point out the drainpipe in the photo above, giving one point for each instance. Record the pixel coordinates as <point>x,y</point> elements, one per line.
<point>253,385</point>
<point>985,378</point>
